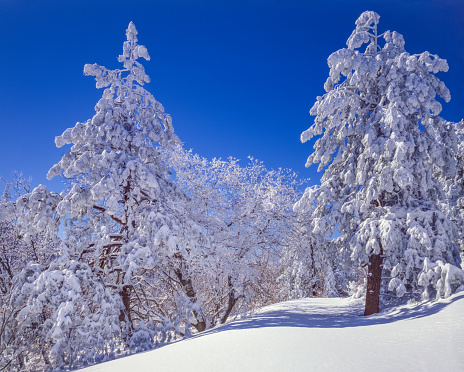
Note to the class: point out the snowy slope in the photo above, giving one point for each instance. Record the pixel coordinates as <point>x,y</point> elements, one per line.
<point>318,335</point>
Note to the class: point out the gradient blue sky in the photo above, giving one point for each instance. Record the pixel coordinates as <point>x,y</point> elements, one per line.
<point>238,77</point>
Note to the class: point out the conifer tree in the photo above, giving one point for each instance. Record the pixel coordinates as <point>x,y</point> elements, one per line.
<point>384,149</point>
<point>123,226</point>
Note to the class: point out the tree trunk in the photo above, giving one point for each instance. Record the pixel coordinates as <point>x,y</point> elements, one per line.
<point>313,269</point>
<point>188,288</point>
<point>125,315</point>
<point>374,279</point>
<point>231,302</point>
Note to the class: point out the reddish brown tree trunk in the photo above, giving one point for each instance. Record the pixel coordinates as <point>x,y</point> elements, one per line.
<point>374,279</point>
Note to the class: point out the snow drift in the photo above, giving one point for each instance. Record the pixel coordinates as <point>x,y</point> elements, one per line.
<point>318,334</point>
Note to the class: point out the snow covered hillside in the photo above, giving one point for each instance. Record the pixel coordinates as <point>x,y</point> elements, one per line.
<point>318,335</point>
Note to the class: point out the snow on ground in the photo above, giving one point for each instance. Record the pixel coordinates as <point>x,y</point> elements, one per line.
<point>318,335</point>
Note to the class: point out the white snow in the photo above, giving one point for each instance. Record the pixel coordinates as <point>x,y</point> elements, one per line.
<point>318,335</point>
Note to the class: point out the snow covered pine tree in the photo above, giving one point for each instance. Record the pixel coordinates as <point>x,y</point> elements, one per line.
<point>121,224</point>
<point>384,149</point>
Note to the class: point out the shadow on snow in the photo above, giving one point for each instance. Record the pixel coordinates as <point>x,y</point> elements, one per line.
<point>309,313</point>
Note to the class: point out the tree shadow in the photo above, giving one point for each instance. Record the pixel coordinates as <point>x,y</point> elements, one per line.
<point>301,313</point>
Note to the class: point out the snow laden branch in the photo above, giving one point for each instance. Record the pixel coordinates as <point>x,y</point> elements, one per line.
<point>386,154</point>
<point>246,213</point>
<point>121,223</point>
<point>23,256</point>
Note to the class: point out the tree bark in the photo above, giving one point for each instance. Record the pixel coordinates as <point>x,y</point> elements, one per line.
<point>231,302</point>
<point>374,279</point>
<point>313,269</point>
<point>188,288</point>
<point>125,315</point>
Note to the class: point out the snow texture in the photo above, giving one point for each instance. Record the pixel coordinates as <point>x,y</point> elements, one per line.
<point>318,335</point>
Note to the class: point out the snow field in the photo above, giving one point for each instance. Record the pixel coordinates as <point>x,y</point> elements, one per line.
<point>318,335</point>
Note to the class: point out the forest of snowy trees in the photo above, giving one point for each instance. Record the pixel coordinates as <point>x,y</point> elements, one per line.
<point>149,242</point>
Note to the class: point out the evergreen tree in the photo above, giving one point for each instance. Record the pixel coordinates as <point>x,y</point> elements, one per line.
<point>384,149</point>
<point>127,246</point>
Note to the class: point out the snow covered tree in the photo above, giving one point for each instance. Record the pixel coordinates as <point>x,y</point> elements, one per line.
<point>122,224</point>
<point>302,262</point>
<point>313,266</point>
<point>442,278</point>
<point>17,250</point>
<point>454,187</point>
<point>384,149</point>
<point>246,213</point>
<point>18,253</point>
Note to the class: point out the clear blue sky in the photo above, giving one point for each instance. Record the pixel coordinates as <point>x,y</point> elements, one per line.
<point>238,77</point>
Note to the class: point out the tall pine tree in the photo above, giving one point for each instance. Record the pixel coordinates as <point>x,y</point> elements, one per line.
<point>383,149</point>
<point>128,248</point>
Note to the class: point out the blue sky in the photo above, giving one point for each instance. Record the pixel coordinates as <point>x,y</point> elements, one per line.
<point>238,77</point>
